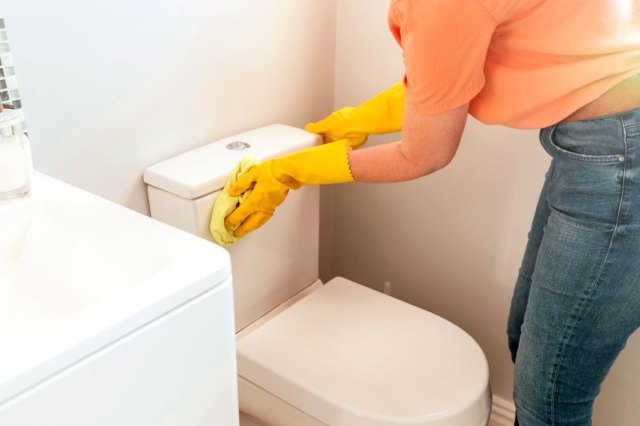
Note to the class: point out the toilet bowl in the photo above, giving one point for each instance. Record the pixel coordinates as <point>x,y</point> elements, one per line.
<point>340,353</point>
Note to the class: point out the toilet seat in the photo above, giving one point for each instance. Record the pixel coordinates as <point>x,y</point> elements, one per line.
<point>348,355</point>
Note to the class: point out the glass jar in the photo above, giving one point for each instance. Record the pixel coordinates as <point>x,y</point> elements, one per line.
<point>15,156</point>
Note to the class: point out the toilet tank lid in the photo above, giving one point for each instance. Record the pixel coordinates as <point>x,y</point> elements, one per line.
<point>204,170</point>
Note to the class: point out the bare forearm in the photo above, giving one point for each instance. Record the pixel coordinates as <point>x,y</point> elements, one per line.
<point>387,163</point>
<point>428,144</point>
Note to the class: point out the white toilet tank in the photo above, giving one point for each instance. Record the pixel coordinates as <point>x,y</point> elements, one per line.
<point>270,265</point>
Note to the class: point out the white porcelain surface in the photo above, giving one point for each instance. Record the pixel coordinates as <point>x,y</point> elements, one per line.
<point>344,354</point>
<point>205,169</point>
<point>246,420</point>
<point>269,266</point>
<point>348,355</point>
<point>78,272</point>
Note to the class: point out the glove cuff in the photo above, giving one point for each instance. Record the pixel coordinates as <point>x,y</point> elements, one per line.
<point>323,164</point>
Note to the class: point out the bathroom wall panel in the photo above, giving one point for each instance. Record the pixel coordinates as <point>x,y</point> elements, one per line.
<point>110,88</point>
<point>451,242</point>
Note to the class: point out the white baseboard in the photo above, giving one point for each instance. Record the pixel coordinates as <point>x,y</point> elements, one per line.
<point>503,412</point>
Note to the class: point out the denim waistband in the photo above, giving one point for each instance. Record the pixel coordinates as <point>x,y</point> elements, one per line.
<point>630,118</point>
<point>602,139</point>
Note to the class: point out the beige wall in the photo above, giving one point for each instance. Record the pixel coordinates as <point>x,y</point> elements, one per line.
<point>111,87</point>
<point>452,242</point>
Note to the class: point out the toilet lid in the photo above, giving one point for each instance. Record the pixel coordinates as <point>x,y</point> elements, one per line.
<point>349,355</point>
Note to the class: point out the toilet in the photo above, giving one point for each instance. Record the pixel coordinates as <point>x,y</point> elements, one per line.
<point>312,353</point>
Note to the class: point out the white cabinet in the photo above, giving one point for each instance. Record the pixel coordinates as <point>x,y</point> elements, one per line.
<point>175,370</point>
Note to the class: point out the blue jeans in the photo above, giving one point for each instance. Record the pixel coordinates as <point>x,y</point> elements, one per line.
<point>577,297</point>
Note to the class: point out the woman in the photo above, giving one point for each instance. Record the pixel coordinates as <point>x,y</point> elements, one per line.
<point>568,67</point>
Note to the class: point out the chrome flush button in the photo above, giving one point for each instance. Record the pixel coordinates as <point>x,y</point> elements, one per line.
<point>238,146</point>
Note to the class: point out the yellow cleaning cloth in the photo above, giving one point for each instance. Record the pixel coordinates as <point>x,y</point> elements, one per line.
<point>225,204</point>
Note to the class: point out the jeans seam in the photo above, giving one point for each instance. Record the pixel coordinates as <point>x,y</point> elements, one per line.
<point>625,136</point>
<point>560,355</point>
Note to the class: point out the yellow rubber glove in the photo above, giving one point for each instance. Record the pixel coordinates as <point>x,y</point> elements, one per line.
<point>271,180</point>
<point>380,114</point>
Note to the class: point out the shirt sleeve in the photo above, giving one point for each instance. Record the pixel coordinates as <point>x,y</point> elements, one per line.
<point>444,45</point>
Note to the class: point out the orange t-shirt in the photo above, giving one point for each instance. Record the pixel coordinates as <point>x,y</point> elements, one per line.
<point>519,63</point>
